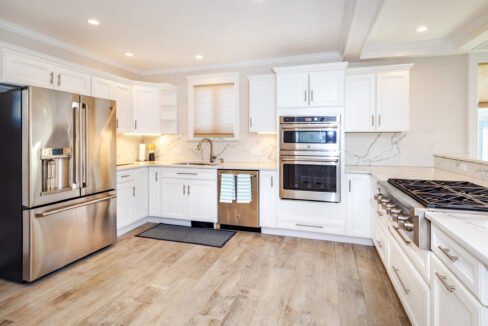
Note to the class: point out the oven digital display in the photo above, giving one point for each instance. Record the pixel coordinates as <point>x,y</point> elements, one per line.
<point>310,137</point>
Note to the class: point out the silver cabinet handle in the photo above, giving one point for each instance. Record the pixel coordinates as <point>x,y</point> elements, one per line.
<point>250,122</point>
<point>403,236</point>
<point>311,95</point>
<point>379,120</point>
<point>184,193</point>
<point>188,190</point>
<point>51,79</point>
<point>59,79</point>
<point>135,124</point>
<point>272,185</point>
<point>125,176</point>
<point>133,191</point>
<point>349,185</point>
<point>380,244</point>
<point>446,252</point>
<point>372,120</point>
<point>186,173</point>
<point>311,226</point>
<point>156,176</point>
<point>305,95</point>
<point>117,123</point>
<point>443,280</point>
<point>396,270</point>
<point>66,208</point>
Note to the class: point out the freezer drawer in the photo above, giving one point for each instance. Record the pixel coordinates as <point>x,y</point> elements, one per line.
<point>246,215</point>
<point>57,235</point>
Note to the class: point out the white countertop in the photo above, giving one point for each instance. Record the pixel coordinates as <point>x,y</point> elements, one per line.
<point>236,166</point>
<point>383,173</point>
<point>470,231</point>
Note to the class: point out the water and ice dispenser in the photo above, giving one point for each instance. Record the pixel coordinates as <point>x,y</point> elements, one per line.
<point>56,169</point>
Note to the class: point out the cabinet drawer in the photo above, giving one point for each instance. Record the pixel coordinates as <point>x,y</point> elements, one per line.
<point>190,173</point>
<point>381,243</point>
<point>409,284</point>
<point>452,304</point>
<point>125,176</point>
<point>466,267</point>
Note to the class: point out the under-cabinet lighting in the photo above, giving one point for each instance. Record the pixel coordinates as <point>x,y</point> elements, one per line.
<point>422,29</point>
<point>93,21</point>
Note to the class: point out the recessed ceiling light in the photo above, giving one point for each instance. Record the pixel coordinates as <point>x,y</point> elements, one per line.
<point>93,22</point>
<point>422,29</point>
<point>129,54</point>
<point>199,57</point>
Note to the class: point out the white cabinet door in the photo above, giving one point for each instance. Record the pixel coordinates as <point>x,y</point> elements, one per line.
<point>125,204</point>
<point>392,101</point>
<point>360,103</point>
<point>174,198</point>
<point>154,192</point>
<point>359,205</point>
<point>24,70</point>
<point>72,81</point>
<point>292,90</point>
<point>326,88</point>
<point>102,88</point>
<point>141,194</point>
<point>451,303</point>
<point>122,94</point>
<point>262,103</point>
<point>202,200</point>
<point>268,192</point>
<point>147,111</point>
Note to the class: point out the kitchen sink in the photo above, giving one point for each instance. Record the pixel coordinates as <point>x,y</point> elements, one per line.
<point>197,163</point>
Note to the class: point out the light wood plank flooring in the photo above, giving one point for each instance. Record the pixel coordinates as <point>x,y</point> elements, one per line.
<point>254,280</point>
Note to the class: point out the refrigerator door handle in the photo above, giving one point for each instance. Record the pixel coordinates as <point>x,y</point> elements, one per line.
<point>76,144</point>
<point>67,208</point>
<point>84,148</point>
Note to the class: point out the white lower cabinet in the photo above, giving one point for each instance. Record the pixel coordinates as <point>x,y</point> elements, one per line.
<point>154,195</point>
<point>141,193</point>
<point>359,205</point>
<point>451,302</point>
<point>202,201</point>
<point>125,200</point>
<point>173,198</point>
<point>268,192</point>
<point>413,291</point>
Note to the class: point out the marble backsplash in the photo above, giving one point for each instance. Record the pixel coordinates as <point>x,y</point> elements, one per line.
<point>476,170</point>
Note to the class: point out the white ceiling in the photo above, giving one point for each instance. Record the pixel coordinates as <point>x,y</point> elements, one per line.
<point>165,35</point>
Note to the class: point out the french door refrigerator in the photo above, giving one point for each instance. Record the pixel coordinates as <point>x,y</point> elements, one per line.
<point>58,179</point>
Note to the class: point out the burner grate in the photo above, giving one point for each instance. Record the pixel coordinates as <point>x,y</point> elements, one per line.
<point>444,194</point>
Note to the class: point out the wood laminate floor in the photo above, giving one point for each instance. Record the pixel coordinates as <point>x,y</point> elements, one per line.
<point>254,280</point>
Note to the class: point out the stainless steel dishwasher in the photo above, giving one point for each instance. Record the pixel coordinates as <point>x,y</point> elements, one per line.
<point>240,214</point>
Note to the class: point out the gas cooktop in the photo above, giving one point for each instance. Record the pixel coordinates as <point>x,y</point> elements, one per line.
<point>445,194</point>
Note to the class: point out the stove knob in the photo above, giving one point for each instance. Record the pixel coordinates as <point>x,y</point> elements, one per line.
<point>389,207</point>
<point>378,196</point>
<point>396,211</point>
<point>385,200</point>
<point>403,218</point>
<point>408,226</point>
<point>394,217</point>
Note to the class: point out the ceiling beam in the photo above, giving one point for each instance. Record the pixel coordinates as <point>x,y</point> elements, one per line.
<point>359,18</point>
<point>472,34</point>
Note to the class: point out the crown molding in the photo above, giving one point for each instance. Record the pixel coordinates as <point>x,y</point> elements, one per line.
<point>14,28</point>
<point>376,69</point>
<point>322,56</point>
<point>407,49</point>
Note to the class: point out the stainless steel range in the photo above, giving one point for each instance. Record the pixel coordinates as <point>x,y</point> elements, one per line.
<point>405,202</point>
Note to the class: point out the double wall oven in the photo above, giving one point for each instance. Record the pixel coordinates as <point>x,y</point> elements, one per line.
<point>310,164</point>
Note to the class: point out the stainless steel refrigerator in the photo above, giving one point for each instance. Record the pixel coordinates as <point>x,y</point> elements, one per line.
<point>58,179</point>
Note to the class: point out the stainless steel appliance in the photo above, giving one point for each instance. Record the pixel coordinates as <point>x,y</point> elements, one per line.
<point>59,168</point>
<point>310,162</point>
<point>405,202</point>
<point>240,214</point>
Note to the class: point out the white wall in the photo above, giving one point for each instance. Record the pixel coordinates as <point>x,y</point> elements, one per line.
<point>438,118</point>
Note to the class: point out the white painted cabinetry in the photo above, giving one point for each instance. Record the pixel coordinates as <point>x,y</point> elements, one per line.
<point>174,198</point>
<point>268,192</point>
<point>25,70</point>
<point>262,103</point>
<point>310,86</point>
<point>378,99</point>
<point>451,302</point>
<point>202,200</point>
<point>154,192</point>
<point>147,110</point>
<point>125,198</point>
<point>359,205</point>
<point>141,187</point>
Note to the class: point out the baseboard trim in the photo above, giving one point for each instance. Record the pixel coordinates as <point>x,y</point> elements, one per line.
<point>317,236</point>
<point>151,219</point>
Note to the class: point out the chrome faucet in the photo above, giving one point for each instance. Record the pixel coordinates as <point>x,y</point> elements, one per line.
<point>199,147</point>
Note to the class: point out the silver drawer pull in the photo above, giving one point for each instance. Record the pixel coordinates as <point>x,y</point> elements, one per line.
<point>396,270</point>
<point>443,279</point>
<point>403,236</point>
<point>67,208</point>
<point>310,226</point>
<point>186,173</point>
<point>125,176</point>
<point>380,244</point>
<point>446,252</point>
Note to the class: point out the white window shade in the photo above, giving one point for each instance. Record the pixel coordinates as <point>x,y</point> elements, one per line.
<point>214,109</point>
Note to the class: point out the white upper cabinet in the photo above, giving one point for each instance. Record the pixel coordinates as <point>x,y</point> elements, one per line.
<point>326,88</point>
<point>360,102</point>
<point>147,111</point>
<point>310,86</point>
<point>393,101</point>
<point>378,99</point>
<point>262,103</point>
<point>122,94</point>
<point>26,70</point>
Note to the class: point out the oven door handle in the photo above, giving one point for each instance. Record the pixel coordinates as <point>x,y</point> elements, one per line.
<point>319,127</point>
<point>309,159</point>
<point>331,163</point>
